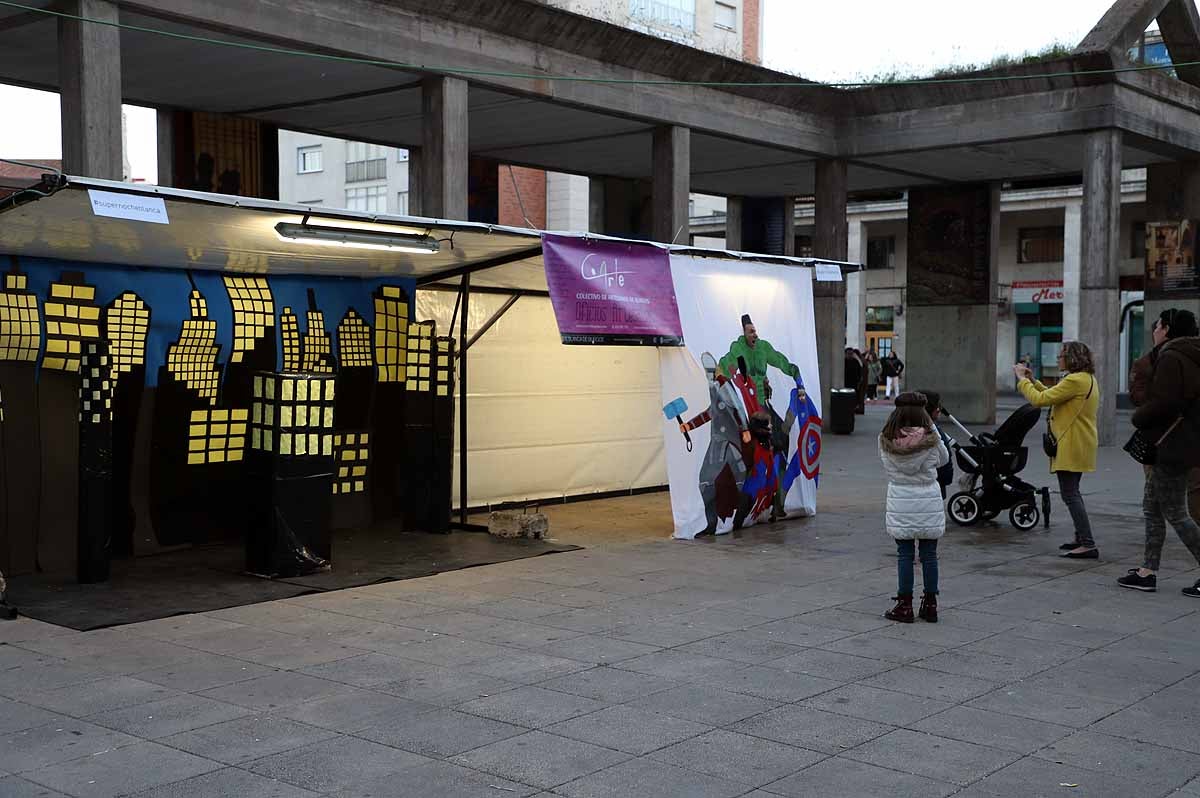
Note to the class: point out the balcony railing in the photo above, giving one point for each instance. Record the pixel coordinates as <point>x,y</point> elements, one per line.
<point>663,13</point>
<point>358,171</point>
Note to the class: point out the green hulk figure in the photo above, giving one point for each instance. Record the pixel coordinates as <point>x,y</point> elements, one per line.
<point>757,355</point>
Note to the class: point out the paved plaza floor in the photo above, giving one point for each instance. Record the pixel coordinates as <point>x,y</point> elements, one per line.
<point>757,665</point>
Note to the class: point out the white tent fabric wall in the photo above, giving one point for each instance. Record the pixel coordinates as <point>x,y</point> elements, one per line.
<point>712,295</point>
<point>547,420</point>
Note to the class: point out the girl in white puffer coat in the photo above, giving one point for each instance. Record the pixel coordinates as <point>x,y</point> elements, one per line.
<point>912,452</point>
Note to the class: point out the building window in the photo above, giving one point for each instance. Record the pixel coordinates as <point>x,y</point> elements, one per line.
<point>365,161</point>
<point>1137,241</point>
<point>367,198</point>
<point>1040,245</point>
<point>726,16</point>
<point>402,203</point>
<point>804,247</point>
<point>308,159</point>
<point>881,252</point>
<point>881,318</point>
<point>672,13</point>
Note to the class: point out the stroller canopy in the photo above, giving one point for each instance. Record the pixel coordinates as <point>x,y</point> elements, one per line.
<point>1014,429</point>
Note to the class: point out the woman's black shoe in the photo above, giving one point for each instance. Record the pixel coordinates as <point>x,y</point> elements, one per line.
<point>1086,554</point>
<point>1068,546</point>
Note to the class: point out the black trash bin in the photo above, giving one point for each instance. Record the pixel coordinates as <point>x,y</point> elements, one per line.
<point>841,411</point>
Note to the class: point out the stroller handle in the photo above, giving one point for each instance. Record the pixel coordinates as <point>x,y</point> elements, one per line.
<point>970,435</point>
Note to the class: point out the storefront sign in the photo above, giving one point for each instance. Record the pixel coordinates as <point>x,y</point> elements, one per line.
<point>606,292</point>
<point>1038,292</point>
<point>128,206</point>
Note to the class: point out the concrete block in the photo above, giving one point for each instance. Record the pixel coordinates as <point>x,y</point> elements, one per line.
<point>513,524</point>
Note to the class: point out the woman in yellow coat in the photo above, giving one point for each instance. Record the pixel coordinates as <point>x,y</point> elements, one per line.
<point>1074,401</point>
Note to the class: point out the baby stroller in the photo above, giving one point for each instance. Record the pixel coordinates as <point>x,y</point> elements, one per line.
<point>990,464</point>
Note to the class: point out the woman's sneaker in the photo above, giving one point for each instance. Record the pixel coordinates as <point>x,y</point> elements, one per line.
<point>1193,591</point>
<point>1134,582</point>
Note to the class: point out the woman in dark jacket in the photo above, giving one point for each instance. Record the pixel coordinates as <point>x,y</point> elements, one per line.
<point>1173,391</point>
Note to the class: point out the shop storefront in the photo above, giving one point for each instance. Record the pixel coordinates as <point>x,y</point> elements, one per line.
<point>881,328</point>
<point>1038,305</point>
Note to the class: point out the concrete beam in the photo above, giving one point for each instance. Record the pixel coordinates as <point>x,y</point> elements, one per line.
<point>1121,26</point>
<point>89,68</point>
<point>789,226</point>
<point>672,177</point>
<point>444,154</point>
<point>829,298</point>
<point>1180,26</point>
<point>531,39</point>
<point>1098,284</point>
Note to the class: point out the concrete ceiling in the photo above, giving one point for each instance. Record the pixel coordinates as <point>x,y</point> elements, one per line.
<point>382,104</point>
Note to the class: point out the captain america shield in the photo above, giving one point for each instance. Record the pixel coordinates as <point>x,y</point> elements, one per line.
<point>809,444</point>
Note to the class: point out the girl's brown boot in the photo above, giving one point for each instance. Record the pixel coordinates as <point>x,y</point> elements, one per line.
<point>902,612</point>
<point>928,611</point>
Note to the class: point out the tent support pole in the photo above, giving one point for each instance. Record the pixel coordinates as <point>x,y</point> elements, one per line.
<point>462,401</point>
<point>487,325</point>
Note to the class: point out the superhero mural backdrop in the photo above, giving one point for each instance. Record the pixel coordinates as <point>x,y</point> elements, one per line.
<point>142,409</point>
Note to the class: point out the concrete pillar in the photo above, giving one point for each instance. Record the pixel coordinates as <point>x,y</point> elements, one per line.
<point>950,320</point>
<point>165,127</point>
<point>789,226</point>
<point>829,298</point>
<point>1072,252</point>
<point>856,287</point>
<point>1172,193</point>
<point>596,205</point>
<point>444,154</point>
<point>672,182</point>
<point>1100,234</point>
<point>733,224</point>
<point>414,181</point>
<point>89,68</point>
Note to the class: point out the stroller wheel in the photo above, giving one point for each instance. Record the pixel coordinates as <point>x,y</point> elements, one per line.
<point>1025,516</point>
<point>964,509</point>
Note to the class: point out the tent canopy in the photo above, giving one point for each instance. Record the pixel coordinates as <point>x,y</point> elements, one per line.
<point>238,234</point>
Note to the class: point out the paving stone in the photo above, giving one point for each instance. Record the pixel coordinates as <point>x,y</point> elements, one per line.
<point>629,729</point>
<point>1136,723</point>
<point>439,732</point>
<point>171,716</point>
<point>526,667</point>
<point>1149,764</point>
<point>228,783</point>
<point>844,778</point>
<point>931,684</point>
<point>17,787</point>
<point>1139,669</point>
<point>799,631</point>
<point>938,758</point>
<point>737,757</point>
<point>647,778</point>
<point>518,609</point>
<point>830,665</point>
<point>274,690</point>
<point>992,729</point>
<point>978,664</point>
<point>678,665</point>
<point>814,729</point>
<point>612,685</point>
<point>23,629</point>
<point>531,707</point>
<point>12,656</point>
<point>365,670</point>
<point>705,704</point>
<point>204,672</point>
<point>60,741</point>
<point>1036,778</point>
<point>25,680</point>
<point>352,709</point>
<point>363,605</point>
<point>335,764</point>
<point>244,739</point>
<point>178,627</point>
<point>663,633</point>
<point>877,645</point>
<point>882,706</point>
<point>437,780</point>
<point>122,771</point>
<point>540,759</point>
<point>769,683</point>
<point>17,716</point>
<point>446,687</point>
<point>596,649</point>
<point>842,619</point>
<point>447,650</point>
<point>116,692</point>
<point>241,640</point>
<point>747,647</point>
<point>1067,633</point>
<point>1102,686</point>
<point>1038,704</point>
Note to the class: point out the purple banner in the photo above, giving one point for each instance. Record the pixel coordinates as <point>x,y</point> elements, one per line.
<point>606,292</point>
